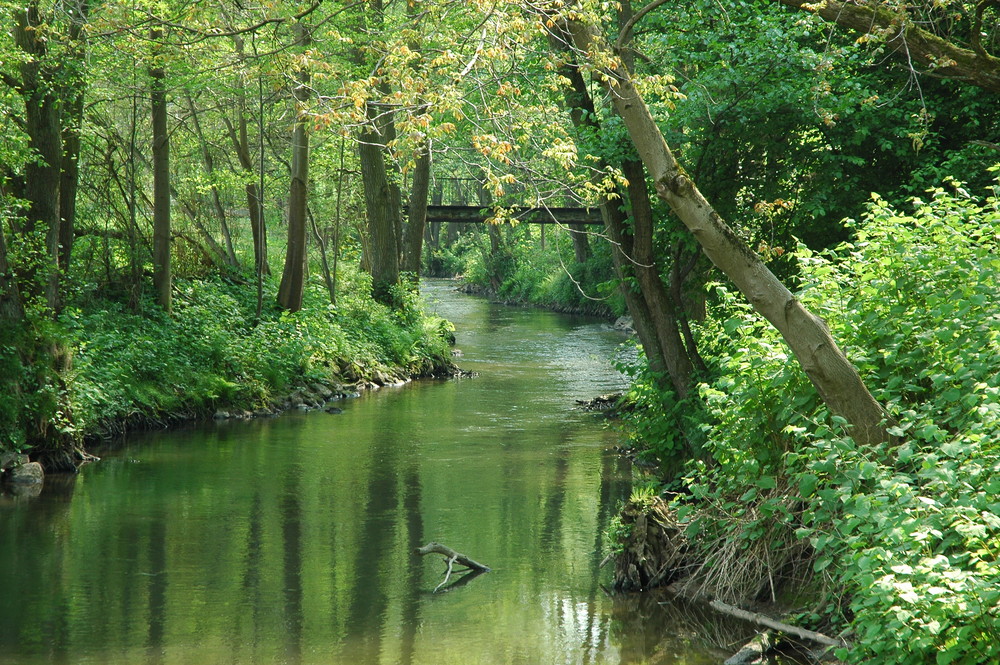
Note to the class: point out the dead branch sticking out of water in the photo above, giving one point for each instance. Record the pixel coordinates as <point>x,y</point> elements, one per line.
<point>452,557</point>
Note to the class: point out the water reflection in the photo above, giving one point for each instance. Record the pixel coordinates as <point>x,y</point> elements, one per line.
<point>291,540</point>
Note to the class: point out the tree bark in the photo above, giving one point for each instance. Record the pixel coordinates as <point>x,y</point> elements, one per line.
<point>11,309</point>
<point>762,620</point>
<point>833,375</point>
<point>920,47</point>
<point>382,216</point>
<point>44,130</point>
<point>161,180</point>
<point>448,553</point>
<point>71,127</point>
<point>417,215</point>
<point>241,145</point>
<point>651,316</point>
<point>651,284</point>
<point>293,277</point>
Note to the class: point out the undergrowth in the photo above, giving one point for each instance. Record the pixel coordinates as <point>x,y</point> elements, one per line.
<point>898,543</point>
<point>137,366</point>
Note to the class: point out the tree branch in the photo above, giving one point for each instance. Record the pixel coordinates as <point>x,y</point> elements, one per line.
<point>944,58</point>
<point>451,555</point>
<point>626,31</point>
<point>788,629</point>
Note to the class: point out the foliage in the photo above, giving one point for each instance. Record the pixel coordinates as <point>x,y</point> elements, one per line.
<point>133,367</point>
<point>904,536</point>
<point>786,126</point>
<point>548,276</point>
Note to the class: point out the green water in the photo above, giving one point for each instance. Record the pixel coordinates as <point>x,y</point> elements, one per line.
<point>289,540</point>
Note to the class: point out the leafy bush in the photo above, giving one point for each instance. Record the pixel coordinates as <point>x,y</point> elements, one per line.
<point>904,537</point>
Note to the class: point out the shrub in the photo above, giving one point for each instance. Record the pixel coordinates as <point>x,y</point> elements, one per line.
<point>903,536</point>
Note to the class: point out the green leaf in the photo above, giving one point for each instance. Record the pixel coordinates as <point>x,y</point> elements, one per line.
<point>807,484</point>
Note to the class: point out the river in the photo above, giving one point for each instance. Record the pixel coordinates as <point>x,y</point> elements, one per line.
<point>289,539</point>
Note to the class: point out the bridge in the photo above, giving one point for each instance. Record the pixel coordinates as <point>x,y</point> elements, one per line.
<point>465,201</point>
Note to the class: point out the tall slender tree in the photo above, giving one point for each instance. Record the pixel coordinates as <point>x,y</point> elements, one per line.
<point>292,285</point>
<point>162,279</point>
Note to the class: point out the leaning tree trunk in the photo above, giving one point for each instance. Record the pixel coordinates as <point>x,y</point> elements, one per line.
<point>161,181</point>
<point>833,375</point>
<point>656,331</point>
<point>293,277</point>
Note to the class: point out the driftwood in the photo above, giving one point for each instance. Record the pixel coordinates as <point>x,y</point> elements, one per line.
<point>452,557</point>
<point>801,633</point>
<point>753,650</point>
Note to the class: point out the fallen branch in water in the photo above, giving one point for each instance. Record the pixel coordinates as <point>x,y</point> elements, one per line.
<point>452,557</point>
<point>801,633</point>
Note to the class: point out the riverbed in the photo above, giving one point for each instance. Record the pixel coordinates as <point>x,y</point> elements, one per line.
<point>290,539</point>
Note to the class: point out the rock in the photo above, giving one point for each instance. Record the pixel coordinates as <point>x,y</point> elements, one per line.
<point>26,474</point>
<point>221,415</point>
<point>457,353</point>
<point>323,391</point>
<point>625,323</point>
<point>11,459</point>
<point>333,409</point>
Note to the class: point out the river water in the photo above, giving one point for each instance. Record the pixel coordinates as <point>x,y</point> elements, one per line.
<point>290,539</point>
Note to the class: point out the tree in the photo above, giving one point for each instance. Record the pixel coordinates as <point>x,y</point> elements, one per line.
<point>935,48</point>
<point>293,277</point>
<point>834,377</point>
<point>38,87</point>
<point>654,315</point>
<point>162,281</point>
<point>382,194</point>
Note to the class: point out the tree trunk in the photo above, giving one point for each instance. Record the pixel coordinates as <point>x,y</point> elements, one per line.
<point>417,216</point>
<point>834,377</point>
<point>69,178</point>
<point>654,292</point>
<point>241,144</point>
<point>293,277</point>
<point>328,276</point>
<point>665,362</point>
<point>44,131</point>
<point>161,180</point>
<point>581,242</point>
<point>382,216</point>
<point>229,255</point>
<point>72,124</point>
<point>11,309</point>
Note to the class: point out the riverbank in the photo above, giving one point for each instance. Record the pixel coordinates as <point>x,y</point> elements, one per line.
<point>764,494</point>
<point>138,368</point>
<point>595,308</point>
